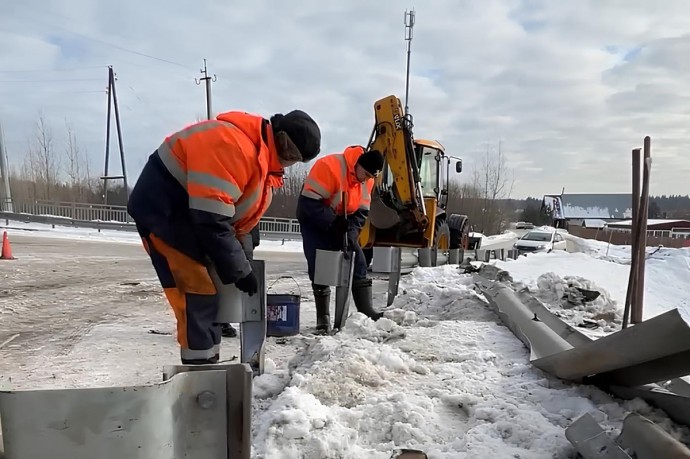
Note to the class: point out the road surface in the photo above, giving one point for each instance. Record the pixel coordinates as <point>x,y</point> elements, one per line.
<point>71,309</point>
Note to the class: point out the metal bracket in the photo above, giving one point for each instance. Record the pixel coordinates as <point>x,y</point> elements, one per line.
<point>389,260</point>
<point>335,268</point>
<point>185,416</point>
<point>342,291</point>
<point>238,403</point>
<point>253,325</point>
<point>590,440</point>
<point>425,257</point>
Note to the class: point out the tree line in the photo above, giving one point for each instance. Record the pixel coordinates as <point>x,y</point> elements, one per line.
<point>62,171</point>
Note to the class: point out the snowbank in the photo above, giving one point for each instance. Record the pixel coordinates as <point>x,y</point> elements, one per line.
<point>488,241</point>
<point>125,237</point>
<point>67,232</point>
<point>267,245</point>
<point>438,373</point>
<point>667,276</point>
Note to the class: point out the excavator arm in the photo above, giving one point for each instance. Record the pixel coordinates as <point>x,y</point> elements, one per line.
<point>398,214</point>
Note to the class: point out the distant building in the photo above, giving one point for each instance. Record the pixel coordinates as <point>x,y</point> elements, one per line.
<point>659,227</point>
<point>585,209</point>
<point>594,223</point>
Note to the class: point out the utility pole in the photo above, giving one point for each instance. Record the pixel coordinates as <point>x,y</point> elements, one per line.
<point>112,100</point>
<point>409,24</point>
<point>6,202</point>
<point>208,80</point>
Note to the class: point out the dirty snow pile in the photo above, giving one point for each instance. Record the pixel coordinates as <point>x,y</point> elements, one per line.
<point>551,276</point>
<point>438,373</point>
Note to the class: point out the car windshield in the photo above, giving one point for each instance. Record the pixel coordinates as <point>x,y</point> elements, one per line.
<point>537,236</point>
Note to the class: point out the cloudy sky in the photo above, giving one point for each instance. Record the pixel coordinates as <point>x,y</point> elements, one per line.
<point>568,88</point>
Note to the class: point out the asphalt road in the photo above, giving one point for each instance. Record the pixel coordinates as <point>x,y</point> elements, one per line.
<point>58,293</point>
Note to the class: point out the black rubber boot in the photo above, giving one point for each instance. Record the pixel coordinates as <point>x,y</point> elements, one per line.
<point>362,294</point>
<point>322,298</point>
<point>228,331</point>
<point>212,360</point>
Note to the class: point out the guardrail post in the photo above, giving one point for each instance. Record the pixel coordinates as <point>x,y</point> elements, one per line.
<point>424,255</point>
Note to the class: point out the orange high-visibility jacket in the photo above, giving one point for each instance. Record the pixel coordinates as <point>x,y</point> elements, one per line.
<point>207,185</point>
<point>334,174</point>
<point>224,165</point>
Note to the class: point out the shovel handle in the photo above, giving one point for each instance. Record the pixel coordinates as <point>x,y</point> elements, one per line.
<point>344,201</point>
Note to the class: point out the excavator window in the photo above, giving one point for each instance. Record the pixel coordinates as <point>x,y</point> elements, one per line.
<point>428,171</point>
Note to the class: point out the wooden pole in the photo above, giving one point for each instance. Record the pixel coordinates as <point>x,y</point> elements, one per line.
<point>631,292</point>
<point>636,313</point>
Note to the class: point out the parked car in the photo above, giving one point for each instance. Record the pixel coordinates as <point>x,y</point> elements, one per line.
<point>524,225</point>
<point>540,241</point>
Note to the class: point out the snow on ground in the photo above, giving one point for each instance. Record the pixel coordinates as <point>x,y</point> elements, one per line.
<point>667,277</point>
<point>126,237</point>
<point>439,373</point>
<point>68,232</point>
<point>488,241</point>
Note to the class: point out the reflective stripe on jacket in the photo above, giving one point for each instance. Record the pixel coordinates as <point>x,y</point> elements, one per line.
<point>334,174</point>
<point>224,166</point>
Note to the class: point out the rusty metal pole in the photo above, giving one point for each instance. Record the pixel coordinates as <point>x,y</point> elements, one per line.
<point>636,169</point>
<point>631,293</point>
<point>637,310</point>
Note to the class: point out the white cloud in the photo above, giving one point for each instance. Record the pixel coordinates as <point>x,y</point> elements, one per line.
<point>568,87</point>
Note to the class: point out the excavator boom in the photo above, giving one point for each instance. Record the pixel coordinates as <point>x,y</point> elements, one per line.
<point>398,215</point>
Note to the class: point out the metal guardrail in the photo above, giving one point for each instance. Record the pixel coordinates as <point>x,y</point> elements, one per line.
<point>112,217</point>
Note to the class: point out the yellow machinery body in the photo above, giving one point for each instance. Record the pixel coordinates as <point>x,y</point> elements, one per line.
<point>408,207</point>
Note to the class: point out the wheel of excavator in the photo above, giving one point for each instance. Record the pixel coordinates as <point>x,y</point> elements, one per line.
<point>441,238</point>
<point>459,225</point>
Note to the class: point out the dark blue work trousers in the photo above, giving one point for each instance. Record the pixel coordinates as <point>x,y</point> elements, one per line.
<point>316,238</point>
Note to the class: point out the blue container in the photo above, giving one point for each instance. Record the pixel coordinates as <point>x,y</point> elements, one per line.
<point>282,314</point>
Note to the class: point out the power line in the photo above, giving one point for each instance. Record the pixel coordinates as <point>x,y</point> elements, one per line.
<point>51,80</point>
<point>72,69</point>
<point>98,40</point>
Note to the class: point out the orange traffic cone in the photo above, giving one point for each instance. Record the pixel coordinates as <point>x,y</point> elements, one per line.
<point>6,249</point>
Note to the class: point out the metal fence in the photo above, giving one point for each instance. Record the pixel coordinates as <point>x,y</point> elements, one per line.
<point>116,217</point>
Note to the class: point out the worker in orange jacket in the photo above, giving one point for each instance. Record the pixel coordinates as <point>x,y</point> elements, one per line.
<point>195,203</point>
<point>320,214</point>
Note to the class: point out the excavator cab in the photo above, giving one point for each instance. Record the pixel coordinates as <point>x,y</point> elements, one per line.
<point>434,171</point>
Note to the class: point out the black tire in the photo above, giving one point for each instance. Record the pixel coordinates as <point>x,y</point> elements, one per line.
<point>441,232</point>
<point>458,225</point>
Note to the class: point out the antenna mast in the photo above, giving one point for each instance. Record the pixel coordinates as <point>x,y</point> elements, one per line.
<point>409,24</point>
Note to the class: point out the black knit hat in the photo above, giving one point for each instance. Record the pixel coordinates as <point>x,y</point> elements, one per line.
<point>371,161</point>
<point>302,130</point>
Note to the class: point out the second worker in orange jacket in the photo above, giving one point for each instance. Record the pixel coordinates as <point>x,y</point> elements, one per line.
<point>320,210</point>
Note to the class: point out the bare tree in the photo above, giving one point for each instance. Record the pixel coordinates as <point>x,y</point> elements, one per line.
<point>494,182</point>
<point>78,168</point>
<point>43,160</point>
<point>73,166</point>
<point>284,203</point>
<point>490,182</point>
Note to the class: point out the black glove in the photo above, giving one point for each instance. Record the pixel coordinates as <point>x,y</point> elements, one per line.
<point>248,284</point>
<point>340,226</point>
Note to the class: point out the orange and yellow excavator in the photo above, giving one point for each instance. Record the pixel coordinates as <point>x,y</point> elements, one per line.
<point>409,200</point>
